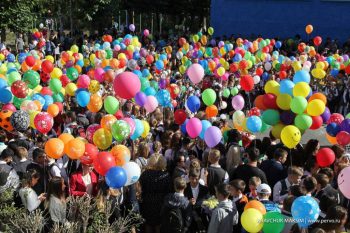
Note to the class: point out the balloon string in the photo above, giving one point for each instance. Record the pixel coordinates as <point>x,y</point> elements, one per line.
<point>290,155</point>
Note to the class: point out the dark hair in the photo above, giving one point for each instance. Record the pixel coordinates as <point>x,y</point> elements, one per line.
<point>326,201</point>
<point>38,152</point>
<point>310,163</point>
<point>279,152</point>
<point>309,183</point>
<point>296,191</point>
<point>322,179</point>
<point>338,150</point>
<point>238,184</point>
<point>336,213</point>
<point>6,153</point>
<point>2,137</point>
<point>253,154</point>
<point>28,176</point>
<point>55,187</point>
<point>310,147</point>
<point>71,115</point>
<point>234,136</point>
<point>328,172</point>
<point>223,189</point>
<point>266,144</point>
<point>287,203</point>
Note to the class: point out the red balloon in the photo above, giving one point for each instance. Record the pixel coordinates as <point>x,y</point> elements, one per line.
<point>269,101</point>
<point>126,85</point>
<point>180,116</point>
<point>174,90</point>
<point>254,112</point>
<point>259,102</point>
<point>243,65</point>
<point>119,114</point>
<point>60,106</point>
<point>335,118</point>
<point>103,162</point>
<point>19,89</point>
<point>317,40</point>
<point>149,59</point>
<point>47,66</point>
<point>64,80</point>
<point>107,38</point>
<point>247,82</point>
<point>317,122</point>
<point>30,61</point>
<point>259,71</point>
<point>234,67</point>
<point>347,69</point>
<point>44,77</point>
<point>182,41</point>
<point>46,91</point>
<point>325,157</point>
<point>43,122</point>
<point>343,138</point>
<point>90,154</point>
<point>283,74</point>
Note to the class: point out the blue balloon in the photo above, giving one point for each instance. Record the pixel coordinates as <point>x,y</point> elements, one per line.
<point>13,69</point>
<point>145,73</point>
<point>21,57</point>
<point>305,211</point>
<point>83,98</point>
<point>5,96</point>
<point>183,127</point>
<point>139,128</point>
<point>278,44</point>
<point>333,129</point>
<point>136,55</point>
<point>3,83</point>
<point>265,76</point>
<point>254,124</point>
<point>150,91</point>
<point>237,57</point>
<point>163,97</point>
<point>301,76</point>
<point>286,87</point>
<point>122,46</point>
<point>80,63</point>
<point>39,97</point>
<point>48,100</point>
<point>11,58</point>
<point>138,73</point>
<point>159,65</point>
<point>334,72</point>
<point>205,125</point>
<point>162,57</point>
<point>193,103</point>
<point>106,45</point>
<point>128,36</point>
<point>116,177</point>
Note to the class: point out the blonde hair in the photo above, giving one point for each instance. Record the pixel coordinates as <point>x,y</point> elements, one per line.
<point>214,155</point>
<point>156,162</point>
<point>143,150</point>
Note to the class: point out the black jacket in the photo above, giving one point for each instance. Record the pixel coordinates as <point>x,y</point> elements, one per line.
<point>202,194</point>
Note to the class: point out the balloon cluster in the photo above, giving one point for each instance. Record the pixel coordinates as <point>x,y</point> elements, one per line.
<point>338,129</point>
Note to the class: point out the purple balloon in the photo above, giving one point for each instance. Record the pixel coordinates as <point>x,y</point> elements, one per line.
<point>221,44</point>
<point>162,83</point>
<point>287,117</point>
<point>345,125</point>
<point>132,27</point>
<point>212,42</point>
<point>326,115</point>
<point>143,52</point>
<point>212,136</point>
<point>140,98</point>
<point>238,102</point>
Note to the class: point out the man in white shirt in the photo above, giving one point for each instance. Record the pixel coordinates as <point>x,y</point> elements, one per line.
<point>281,188</point>
<point>54,169</point>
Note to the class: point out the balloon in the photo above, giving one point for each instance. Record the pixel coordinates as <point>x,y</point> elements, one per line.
<point>120,130</point>
<point>102,139</point>
<point>5,96</point>
<point>111,104</point>
<point>146,32</point>
<point>317,40</point>
<point>270,101</point>
<point>234,91</point>
<point>286,87</point>
<point>325,157</point>
<point>333,129</point>
<point>205,125</point>
<point>139,128</point>
<point>271,117</point>
<point>212,136</point>
<point>210,31</point>
<point>83,98</point>
<point>247,82</point>
<point>316,122</point>
<point>126,85</point>
<point>131,124</point>
<point>75,148</point>
<point>146,129</point>
<point>116,177</point>
<point>331,140</point>
<point>19,89</point>
<point>305,210</point>
<point>315,107</point>
<point>283,101</point>
<point>95,103</point>
<point>194,127</point>
<point>180,116</point>
<point>319,96</point>
<point>55,85</point>
<point>43,122</point>
<point>301,89</point>
<point>336,118</point>
<point>20,120</point>
<point>290,136</point>
<point>273,222</point>
<point>133,172</point>
<point>209,97</point>
<point>54,148</point>
<point>238,102</point>
<point>90,154</point>
<point>343,179</point>
<point>141,98</point>
<point>30,61</point>
<point>309,28</point>
<point>196,73</point>
<point>47,66</point>
<point>298,105</point>
<point>343,138</point>
<point>303,121</point>
<point>301,76</point>
<point>193,103</point>
<point>259,102</point>
<point>9,107</point>
<point>103,162</point>
<point>94,86</point>
<point>252,220</point>
<point>151,103</point>
<point>254,124</point>
<point>211,111</point>
<point>272,87</point>
<point>121,154</point>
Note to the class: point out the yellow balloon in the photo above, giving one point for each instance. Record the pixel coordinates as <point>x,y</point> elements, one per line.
<point>38,88</point>
<point>301,89</point>
<point>272,87</point>
<point>50,58</point>
<point>276,130</point>
<point>210,31</point>
<point>2,57</point>
<point>92,57</point>
<point>56,73</point>
<point>222,61</point>
<point>146,129</point>
<point>221,71</point>
<point>63,91</point>
<point>182,69</point>
<point>94,86</point>
<point>252,220</point>
<point>32,115</point>
<point>315,107</point>
<point>290,136</point>
<point>296,66</point>
<point>74,48</point>
<point>71,88</point>
<point>102,139</point>
<point>320,65</point>
<point>70,53</point>
<point>222,51</point>
<point>121,56</point>
<point>318,73</point>
<point>283,101</point>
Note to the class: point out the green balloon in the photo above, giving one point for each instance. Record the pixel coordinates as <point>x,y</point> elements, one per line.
<point>11,65</point>
<point>225,135</point>
<point>120,130</point>
<point>234,91</point>
<point>144,84</point>
<point>18,101</point>
<point>72,73</point>
<point>273,222</point>
<point>58,97</point>
<point>226,93</point>
<point>271,117</point>
<point>109,54</point>
<point>154,84</point>
<point>347,115</point>
<point>264,127</point>
<point>298,104</point>
<point>13,77</point>
<point>303,121</point>
<point>32,78</point>
<point>55,85</point>
<point>209,96</point>
<point>111,104</point>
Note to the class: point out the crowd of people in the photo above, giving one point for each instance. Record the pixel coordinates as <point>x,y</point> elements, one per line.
<point>180,174</point>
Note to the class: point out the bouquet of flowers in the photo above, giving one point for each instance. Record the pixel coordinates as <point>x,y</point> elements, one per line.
<point>210,204</point>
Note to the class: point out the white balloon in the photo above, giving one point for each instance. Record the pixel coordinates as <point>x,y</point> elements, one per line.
<point>41,25</point>
<point>256,79</point>
<point>267,66</point>
<point>223,105</point>
<point>133,172</point>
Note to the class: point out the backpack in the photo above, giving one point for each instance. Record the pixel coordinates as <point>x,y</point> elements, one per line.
<point>172,221</point>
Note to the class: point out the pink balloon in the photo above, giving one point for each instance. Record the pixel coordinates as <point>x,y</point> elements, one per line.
<point>117,47</point>
<point>238,102</point>
<point>90,131</point>
<point>151,103</point>
<point>9,107</point>
<point>343,182</point>
<point>196,73</point>
<point>43,122</point>
<point>194,127</point>
<point>126,85</point>
<point>146,32</point>
<point>83,81</point>
<point>99,74</point>
<point>131,123</point>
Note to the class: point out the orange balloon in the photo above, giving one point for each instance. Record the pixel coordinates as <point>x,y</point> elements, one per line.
<point>24,67</point>
<point>256,205</point>
<point>319,96</point>
<point>114,63</point>
<point>75,148</point>
<point>53,110</point>
<point>95,103</point>
<point>54,148</point>
<point>309,28</point>
<point>211,111</point>
<point>121,154</point>
<point>259,102</point>
<point>78,68</point>
<point>312,53</point>
<point>107,121</point>
<point>65,138</point>
<point>331,140</point>
<point>37,65</point>
<point>109,75</point>
<point>38,104</point>
<point>5,120</point>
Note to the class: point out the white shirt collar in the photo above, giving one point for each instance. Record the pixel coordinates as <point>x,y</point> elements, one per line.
<point>23,160</point>
<point>237,198</point>
<point>2,162</point>
<point>215,165</point>
<point>179,194</point>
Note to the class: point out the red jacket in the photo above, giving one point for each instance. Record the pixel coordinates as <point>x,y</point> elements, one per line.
<point>77,186</point>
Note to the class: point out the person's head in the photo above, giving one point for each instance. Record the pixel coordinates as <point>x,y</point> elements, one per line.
<point>295,174</point>
<point>311,147</point>
<point>326,201</point>
<point>338,150</point>
<point>143,150</point>
<point>280,155</point>
<point>309,184</point>
<point>176,141</point>
<point>222,192</point>
<point>70,117</point>
<point>234,136</point>
<point>180,160</point>
<point>287,203</point>
<point>264,191</point>
<point>339,215</point>
<point>254,182</point>
<point>237,187</point>
<point>7,155</point>
<point>296,190</point>
<point>195,164</point>
<point>253,154</point>
<point>311,165</point>
<point>30,178</point>
<point>327,171</point>
<point>194,176</point>
<point>157,147</point>
<point>39,156</point>
<point>56,187</point>
<point>21,152</point>
<point>156,162</point>
<point>179,184</point>
<point>322,180</point>
<point>214,156</point>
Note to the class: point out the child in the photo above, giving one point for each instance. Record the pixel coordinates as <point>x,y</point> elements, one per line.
<point>264,193</point>
<point>239,199</point>
<point>225,215</point>
<point>254,182</point>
